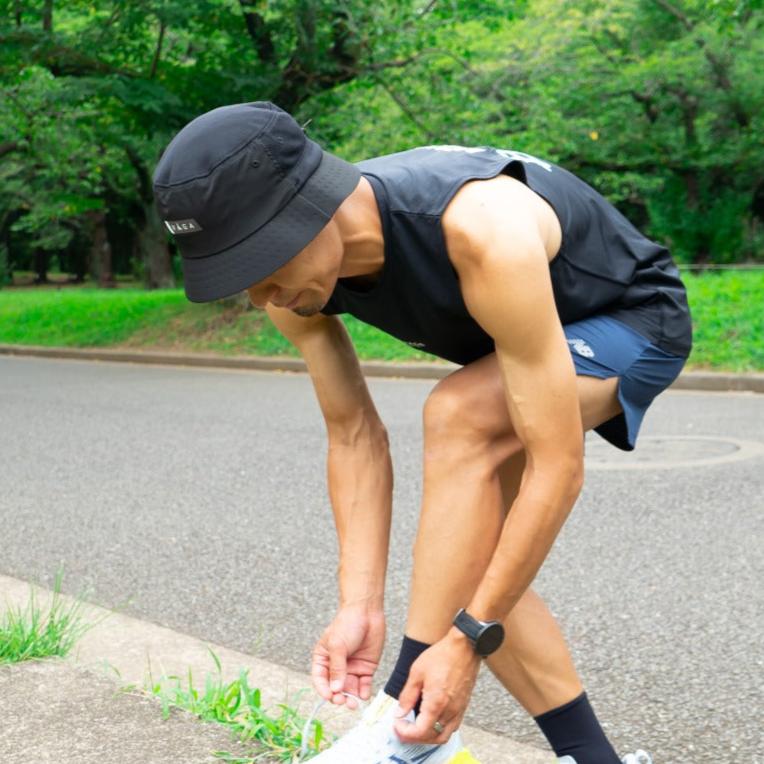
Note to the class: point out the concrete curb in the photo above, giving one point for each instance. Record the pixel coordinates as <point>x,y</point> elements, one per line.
<point>711,381</point>
<point>210,360</point>
<point>133,650</point>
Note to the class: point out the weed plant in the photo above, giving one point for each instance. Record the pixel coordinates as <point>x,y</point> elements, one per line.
<point>30,633</point>
<point>236,705</point>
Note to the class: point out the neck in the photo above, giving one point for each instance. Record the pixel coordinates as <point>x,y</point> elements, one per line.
<point>361,231</point>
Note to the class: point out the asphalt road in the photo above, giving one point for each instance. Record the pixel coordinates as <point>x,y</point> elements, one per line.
<point>200,497</point>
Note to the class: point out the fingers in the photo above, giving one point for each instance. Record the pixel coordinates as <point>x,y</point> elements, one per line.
<point>319,674</point>
<point>351,686</point>
<point>329,669</point>
<point>422,730</point>
<point>355,683</point>
<point>409,695</point>
<point>337,668</point>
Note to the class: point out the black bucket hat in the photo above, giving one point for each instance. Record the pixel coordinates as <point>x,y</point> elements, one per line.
<point>243,190</point>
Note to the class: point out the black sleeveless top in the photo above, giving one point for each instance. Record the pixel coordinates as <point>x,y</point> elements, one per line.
<point>604,266</point>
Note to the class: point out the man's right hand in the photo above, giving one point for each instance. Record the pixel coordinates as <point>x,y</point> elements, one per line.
<point>347,655</point>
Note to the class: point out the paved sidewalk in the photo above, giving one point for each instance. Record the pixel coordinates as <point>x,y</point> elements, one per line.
<point>71,711</point>
<point>53,711</point>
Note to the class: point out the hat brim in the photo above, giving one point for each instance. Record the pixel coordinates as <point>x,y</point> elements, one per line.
<point>278,241</point>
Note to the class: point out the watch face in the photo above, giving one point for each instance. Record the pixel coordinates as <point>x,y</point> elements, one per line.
<point>490,639</point>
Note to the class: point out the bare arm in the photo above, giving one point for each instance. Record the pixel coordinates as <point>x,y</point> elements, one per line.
<point>504,275</point>
<point>359,466</point>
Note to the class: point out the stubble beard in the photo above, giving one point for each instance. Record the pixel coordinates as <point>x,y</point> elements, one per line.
<point>306,311</point>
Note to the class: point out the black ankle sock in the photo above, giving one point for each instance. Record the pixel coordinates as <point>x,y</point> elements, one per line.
<point>410,651</point>
<point>573,730</point>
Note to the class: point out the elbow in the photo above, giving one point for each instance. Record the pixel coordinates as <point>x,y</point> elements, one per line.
<point>569,477</point>
<point>560,475</point>
<point>577,480</point>
<point>352,431</point>
<point>574,474</point>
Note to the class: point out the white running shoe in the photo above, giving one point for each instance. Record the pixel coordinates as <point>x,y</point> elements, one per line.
<point>639,757</point>
<point>373,741</point>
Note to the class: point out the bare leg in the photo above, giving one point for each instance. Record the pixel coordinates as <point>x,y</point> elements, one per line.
<point>472,458</point>
<point>534,662</point>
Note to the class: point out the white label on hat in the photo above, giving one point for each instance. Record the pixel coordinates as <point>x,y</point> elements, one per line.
<point>182,226</point>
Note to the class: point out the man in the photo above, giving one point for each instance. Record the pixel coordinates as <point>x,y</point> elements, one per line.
<point>564,318</point>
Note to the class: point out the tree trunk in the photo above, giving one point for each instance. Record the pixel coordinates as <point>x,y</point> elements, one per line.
<point>157,51</point>
<point>41,258</point>
<point>157,265</point>
<point>4,273</point>
<point>47,16</point>
<point>17,11</point>
<point>152,237</point>
<point>258,31</point>
<point>100,252</point>
<point>702,254</point>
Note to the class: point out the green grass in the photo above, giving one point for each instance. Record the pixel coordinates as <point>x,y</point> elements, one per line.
<point>30,632</point>
<point>726,307</point>
<point>728,319</point>
<point>163,319</point>
<point>83,317</point>
<point>237,706</point>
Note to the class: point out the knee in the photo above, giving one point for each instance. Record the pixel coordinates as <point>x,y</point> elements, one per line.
<point>440,409</point>
<point>461,420</point>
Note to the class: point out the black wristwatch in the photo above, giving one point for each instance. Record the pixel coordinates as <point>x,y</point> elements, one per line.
<point>486,636</point>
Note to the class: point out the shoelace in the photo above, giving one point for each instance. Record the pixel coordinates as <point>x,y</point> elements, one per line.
<point>316,708</point>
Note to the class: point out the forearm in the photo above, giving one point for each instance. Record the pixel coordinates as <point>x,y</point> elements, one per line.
<point>360,479</point>
<point>538,513</point>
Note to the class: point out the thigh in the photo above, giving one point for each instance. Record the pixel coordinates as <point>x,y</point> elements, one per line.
<point>477,400</point>
<point>619,373</point>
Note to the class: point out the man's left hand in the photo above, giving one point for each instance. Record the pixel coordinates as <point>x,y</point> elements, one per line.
<point>444,675</point>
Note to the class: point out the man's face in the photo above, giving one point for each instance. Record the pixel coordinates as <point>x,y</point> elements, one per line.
<point>304,284</point>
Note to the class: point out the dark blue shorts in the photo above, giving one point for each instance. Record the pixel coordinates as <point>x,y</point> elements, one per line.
<point>604,347</point>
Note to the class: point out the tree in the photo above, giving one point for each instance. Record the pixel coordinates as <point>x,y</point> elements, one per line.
<point>658,103</point>
<point>94,90</point>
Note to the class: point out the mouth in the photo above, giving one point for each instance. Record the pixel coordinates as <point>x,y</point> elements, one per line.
<point>294,302</point>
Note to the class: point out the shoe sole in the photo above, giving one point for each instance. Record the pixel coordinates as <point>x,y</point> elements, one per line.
<point>463,757</point>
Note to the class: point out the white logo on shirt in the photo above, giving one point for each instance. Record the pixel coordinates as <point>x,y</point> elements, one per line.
<point>519,155</point>
<point>581,347</point>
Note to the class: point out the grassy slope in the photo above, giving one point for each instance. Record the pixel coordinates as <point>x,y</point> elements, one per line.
<point>727,314</point>
<point>728,320</point>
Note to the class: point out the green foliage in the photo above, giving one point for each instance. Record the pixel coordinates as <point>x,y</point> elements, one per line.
<point>239,707</point>
<point>658,103</point>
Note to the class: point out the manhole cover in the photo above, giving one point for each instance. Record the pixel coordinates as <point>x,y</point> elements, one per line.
<point>669,451</point>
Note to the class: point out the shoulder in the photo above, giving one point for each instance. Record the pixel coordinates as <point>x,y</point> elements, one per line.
<point>499,214</point>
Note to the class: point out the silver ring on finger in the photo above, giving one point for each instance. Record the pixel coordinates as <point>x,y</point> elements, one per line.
<point>438,727</point>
